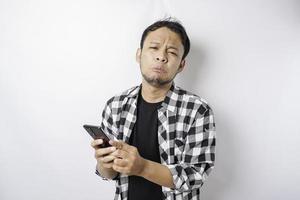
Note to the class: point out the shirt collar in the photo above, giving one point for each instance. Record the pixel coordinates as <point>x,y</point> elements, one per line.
<point>169,101</point>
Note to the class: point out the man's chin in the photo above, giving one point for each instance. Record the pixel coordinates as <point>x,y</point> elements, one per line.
<point>157,82</point>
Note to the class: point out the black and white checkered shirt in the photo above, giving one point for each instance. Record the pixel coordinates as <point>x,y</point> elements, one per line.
<point>186,136</point>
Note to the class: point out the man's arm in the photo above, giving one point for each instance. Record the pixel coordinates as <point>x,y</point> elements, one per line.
<point>103,157</point>
<point>157,173</point>
<point>198,155</point>
<point>190,173</point>
<point>128,161</point>
<point>107,173</point>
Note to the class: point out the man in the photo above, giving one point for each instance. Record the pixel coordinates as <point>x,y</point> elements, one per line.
<point>165,136</point>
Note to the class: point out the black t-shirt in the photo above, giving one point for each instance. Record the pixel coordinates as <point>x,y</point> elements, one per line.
<point>144,138</point>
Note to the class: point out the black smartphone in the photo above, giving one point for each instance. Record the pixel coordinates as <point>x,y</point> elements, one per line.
<point>97,133</point>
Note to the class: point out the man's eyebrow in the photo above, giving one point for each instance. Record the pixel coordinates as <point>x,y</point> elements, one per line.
<point>154,42</point>
<point>169,46</point>
<point>173,47</point>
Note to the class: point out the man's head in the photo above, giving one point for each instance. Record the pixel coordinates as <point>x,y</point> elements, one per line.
<point>163,48</point>
<point>174,26</point>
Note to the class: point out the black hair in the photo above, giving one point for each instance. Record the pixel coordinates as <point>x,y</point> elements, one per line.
<point>175,26</point>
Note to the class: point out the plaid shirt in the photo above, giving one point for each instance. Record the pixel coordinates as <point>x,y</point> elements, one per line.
<point>186,136</point>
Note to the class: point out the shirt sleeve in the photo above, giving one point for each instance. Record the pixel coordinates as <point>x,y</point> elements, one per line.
<point>108,127</point>
<point>198,155</point>
<point>106,179</point>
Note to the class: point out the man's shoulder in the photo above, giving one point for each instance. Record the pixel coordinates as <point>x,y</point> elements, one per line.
<point>121,96</point>
<point>191,99</point>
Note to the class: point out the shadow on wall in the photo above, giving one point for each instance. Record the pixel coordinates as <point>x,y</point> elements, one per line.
<point>191,75</point>
<point>192,79</point>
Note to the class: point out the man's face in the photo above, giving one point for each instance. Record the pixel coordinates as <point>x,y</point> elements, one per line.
<point>161,57</point>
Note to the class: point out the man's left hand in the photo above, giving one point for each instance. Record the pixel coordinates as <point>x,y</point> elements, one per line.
<point>128,160</point>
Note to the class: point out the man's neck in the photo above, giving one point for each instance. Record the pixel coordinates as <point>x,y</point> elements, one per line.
<point>153,94</point>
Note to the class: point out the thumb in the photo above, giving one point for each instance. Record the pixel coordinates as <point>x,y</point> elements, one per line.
<point>120,145</point>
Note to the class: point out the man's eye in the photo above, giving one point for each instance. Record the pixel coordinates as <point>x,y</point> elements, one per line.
<point>153,47</point>
<point>173,53</point>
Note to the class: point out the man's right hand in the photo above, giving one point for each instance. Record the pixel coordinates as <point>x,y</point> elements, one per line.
<point>103,155</point>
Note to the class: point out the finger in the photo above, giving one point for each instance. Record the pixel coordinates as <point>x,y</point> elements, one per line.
<point>95,143</point>
<point>104,151</point>
<point>107,159</point>
<point>121,145</point>
<point>120,154</point>
<point>108,165</point>
<point>119,169</point>
<point>120,162</point>
<point>116,144</point>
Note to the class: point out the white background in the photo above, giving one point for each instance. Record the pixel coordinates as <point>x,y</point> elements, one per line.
<point>61,60</point>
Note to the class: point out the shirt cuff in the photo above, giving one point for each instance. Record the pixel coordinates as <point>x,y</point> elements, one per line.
<point>104,178</point>
<point>181,174</point>
<point>179,182</point>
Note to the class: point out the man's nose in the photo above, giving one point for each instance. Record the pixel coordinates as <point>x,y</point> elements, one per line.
<point>161,57</point>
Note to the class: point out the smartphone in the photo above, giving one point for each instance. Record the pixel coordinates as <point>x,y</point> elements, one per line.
<point>97,133</point>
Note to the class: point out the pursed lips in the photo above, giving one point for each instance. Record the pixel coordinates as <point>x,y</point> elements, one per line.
<point>159,69</point>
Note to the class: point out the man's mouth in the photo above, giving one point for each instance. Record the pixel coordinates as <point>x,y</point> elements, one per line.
<point>159,70</point>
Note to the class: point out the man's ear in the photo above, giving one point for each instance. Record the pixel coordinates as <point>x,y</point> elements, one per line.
<point>138,55</point>
<point>181,66</point>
